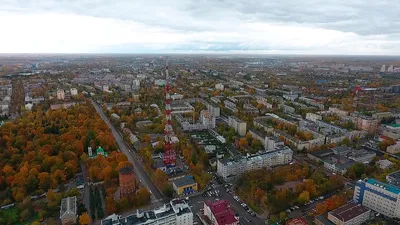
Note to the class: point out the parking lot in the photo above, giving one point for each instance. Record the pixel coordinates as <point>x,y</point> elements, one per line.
<point>219,192</point>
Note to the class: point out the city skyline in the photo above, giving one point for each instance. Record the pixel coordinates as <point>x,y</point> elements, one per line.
<point>240,27</point>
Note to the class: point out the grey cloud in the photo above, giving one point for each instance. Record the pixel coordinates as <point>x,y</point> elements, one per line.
<point>364,17</point>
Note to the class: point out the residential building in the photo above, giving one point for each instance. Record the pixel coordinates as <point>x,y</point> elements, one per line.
<point>230,169</point>
<point>350,214</point>
<point>328,128</point>
<point>263,101</point>
<point>220,213</point>
<point>231,106</point>
<point>127,182</point>
<point>365,123</point>
<point>378,196</point>
<point>159,82</point>
<point>214,109</point>
<point>287,109</point>
<point>237,124</point>
<point>384,164</point>
<point>270,143</point>
<point>250,109</point>
<point>394,178</point>
<point>219,87</point>
<point>338,111</point>
<point>176,96</point>
<point>207,119</point>
<point>68,211</point>
<point>60,94</point>
<point>313,117</point>
<point>74,91</point>
<point>176,212</point>
<point>184,185</point>
<point>394,149</point>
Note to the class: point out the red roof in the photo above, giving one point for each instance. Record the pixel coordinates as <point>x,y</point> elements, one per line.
<point>222,212</point>
<point>297,221</point>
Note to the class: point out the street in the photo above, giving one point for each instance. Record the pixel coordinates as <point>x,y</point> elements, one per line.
<point>139,171</point>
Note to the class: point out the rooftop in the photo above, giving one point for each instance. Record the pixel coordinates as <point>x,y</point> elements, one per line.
<point>184,181</point>
<point>388,187</point>
<point>126,170</point>
<point>222,212</point>
<point>349,211</point>
<point>149,217</point>
<point>68,206</point>
<point>297,221</point>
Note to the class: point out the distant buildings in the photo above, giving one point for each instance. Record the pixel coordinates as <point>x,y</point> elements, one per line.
<point>207,119</point>
<point>184,185</point>
<point>230,169</point>
<point>313,117</point>
<point>127,182</point>
<point>68,211</point>
<point>60,94</point>
<point>74,91</point>
<point>219,87</point>
<point>366,123</point>
<point>176,212</point>
<point>220,213</point>
<point>239,125</point>
<point>381,197</point>
<point>339,159</point>
<point>394,178</point>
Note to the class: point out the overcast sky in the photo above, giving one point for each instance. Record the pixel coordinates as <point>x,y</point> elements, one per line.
<point>200,26</point>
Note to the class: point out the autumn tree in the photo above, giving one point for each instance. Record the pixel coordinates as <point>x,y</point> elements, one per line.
<point>84,219</point>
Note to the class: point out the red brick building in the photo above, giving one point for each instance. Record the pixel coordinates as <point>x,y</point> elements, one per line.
<point>127,182</point>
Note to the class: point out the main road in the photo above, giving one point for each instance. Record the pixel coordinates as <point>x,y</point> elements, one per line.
<point>139,171</point>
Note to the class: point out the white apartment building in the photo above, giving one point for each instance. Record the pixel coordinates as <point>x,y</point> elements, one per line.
<point>176,212</point>
<point>207,119</point>
<point>378,196</point>
<point>60,94</point>
<point>230,169</point>
<point>264,101</point>
<point>239,125</point>
<point>313,117</point>
<point>74,91</point>
<point>219,87</point>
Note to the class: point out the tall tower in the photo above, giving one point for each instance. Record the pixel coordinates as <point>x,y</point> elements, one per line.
<point>169,152</point>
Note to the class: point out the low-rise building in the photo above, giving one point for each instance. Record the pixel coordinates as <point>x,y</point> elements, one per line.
<point>296,221</point>
<point>384,164</point>
<point>394,149</point>
<point>68,211</point>
<point>176,212</point>
<point>350,214</point>
<point>394,178</point>
<point>184,185</point>
<point>220,213</point>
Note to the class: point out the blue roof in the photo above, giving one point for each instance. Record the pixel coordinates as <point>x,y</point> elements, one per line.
<point>386,186</point>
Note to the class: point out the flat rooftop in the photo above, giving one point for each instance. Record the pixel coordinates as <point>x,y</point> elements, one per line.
<point>349,211</point>
<point>389,187</point>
